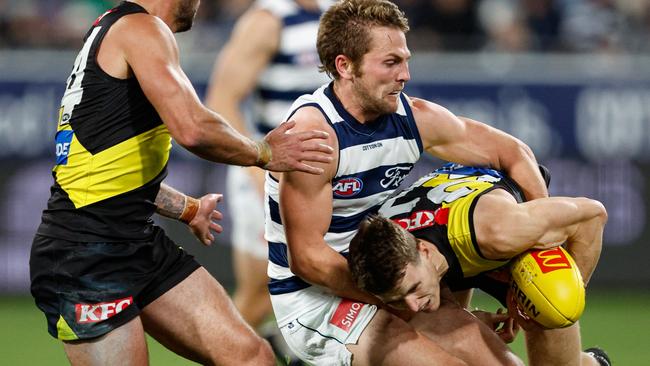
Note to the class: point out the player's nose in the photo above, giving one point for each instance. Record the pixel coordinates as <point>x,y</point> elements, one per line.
<point>404,73</point>
<point>413,303</point>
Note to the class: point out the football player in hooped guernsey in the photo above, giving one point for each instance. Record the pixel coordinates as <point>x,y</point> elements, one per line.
<point>453,226</point>
<point>378,134</point>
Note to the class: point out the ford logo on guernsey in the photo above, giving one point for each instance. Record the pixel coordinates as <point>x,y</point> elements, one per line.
<point>347,187</point>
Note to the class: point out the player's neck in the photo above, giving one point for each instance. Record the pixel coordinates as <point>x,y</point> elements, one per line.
<point>351,102</point>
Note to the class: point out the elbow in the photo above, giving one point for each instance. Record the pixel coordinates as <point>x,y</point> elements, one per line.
<point>301,267</point>
<point>311,270</point>
<point>189,137</point>
<point>519,148</point>
<point>592,209</point>
<point>600,211</point>
<point>511,152</point>
<point>189,129</point>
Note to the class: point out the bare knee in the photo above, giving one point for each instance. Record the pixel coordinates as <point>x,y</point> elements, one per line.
<point>254,351</point>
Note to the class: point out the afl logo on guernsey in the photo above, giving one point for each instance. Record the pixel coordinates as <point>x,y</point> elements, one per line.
<point>347,187</point>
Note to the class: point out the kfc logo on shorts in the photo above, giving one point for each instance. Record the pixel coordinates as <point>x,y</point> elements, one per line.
<point>93,313</point>
<point>346,313</point>
<point>423,219</point>
<point>347,187</point>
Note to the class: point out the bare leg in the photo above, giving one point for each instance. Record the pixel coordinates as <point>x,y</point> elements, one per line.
<point>125,345</point>
<point>557,347</point>
<point>388,340</point>
<point>197,320</point>
<point>252,295</point>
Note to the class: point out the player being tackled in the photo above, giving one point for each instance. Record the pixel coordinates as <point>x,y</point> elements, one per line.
<point>458,228</point>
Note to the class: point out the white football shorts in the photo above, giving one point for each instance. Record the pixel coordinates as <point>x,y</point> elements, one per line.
<point>319,335</point>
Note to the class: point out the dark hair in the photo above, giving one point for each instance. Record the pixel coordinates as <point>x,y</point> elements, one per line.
<point>379,253</point>
<point>345,29</point>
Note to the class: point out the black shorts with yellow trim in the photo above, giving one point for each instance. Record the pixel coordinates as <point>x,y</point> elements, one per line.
<point>88,289</point>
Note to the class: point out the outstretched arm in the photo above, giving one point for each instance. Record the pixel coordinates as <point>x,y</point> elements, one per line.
<point>505,228</point>
<point>199,214</point>
<point>149,48</point>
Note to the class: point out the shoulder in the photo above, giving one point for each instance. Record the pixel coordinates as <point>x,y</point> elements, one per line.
<point>435,123</point>
<point>309,117</point>
<point>258,24</point>
<point>143,22</point>
<point>141,30</point>
<point>424,109</point>
<point>312,118</point>
<point>259,18</point>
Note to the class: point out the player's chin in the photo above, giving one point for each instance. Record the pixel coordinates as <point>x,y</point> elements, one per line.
<point>390,105</point>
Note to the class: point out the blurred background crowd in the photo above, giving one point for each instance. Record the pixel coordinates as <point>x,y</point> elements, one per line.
<point>619,26</point>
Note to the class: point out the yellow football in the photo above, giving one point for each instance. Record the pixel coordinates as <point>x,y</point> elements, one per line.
<point>548,287</point>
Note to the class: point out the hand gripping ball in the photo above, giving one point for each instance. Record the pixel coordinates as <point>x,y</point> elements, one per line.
<point>548,287</point>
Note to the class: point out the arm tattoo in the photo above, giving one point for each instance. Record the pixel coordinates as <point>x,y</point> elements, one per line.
<point>170,202</point>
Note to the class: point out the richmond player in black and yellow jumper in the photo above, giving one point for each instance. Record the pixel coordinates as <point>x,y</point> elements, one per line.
<point>453,227</point>
<point>101,271</point>
<point>111,157</point>
<point>439,208</point>
<point>442,209</point>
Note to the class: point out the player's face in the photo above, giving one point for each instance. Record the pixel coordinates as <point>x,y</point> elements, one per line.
<point>184,14</point>
<point>383,71</point>
<point>419,289</point>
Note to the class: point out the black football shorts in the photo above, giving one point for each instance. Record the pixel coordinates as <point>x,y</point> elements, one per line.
<point>88,289</point>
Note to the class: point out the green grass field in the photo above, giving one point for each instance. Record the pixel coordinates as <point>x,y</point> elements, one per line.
<point>616,321</point>
<point>619,322</point>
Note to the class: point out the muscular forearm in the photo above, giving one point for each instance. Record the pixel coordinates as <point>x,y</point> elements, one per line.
<point>217,141</point>
<point>176,205</point>
<point>331,271</point>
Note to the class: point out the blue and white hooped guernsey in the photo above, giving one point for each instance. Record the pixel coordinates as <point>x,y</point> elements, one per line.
<point>293,71</point>
<point>374,158</point>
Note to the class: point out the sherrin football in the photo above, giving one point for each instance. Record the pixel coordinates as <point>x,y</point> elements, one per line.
<point>548,287</point>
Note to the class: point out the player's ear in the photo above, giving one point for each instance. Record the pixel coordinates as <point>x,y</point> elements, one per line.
<point>344,67</point>
<point>423,249</point>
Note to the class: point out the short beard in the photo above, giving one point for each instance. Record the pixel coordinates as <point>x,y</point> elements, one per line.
<point>370,104</point>
<point>184,16</point>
